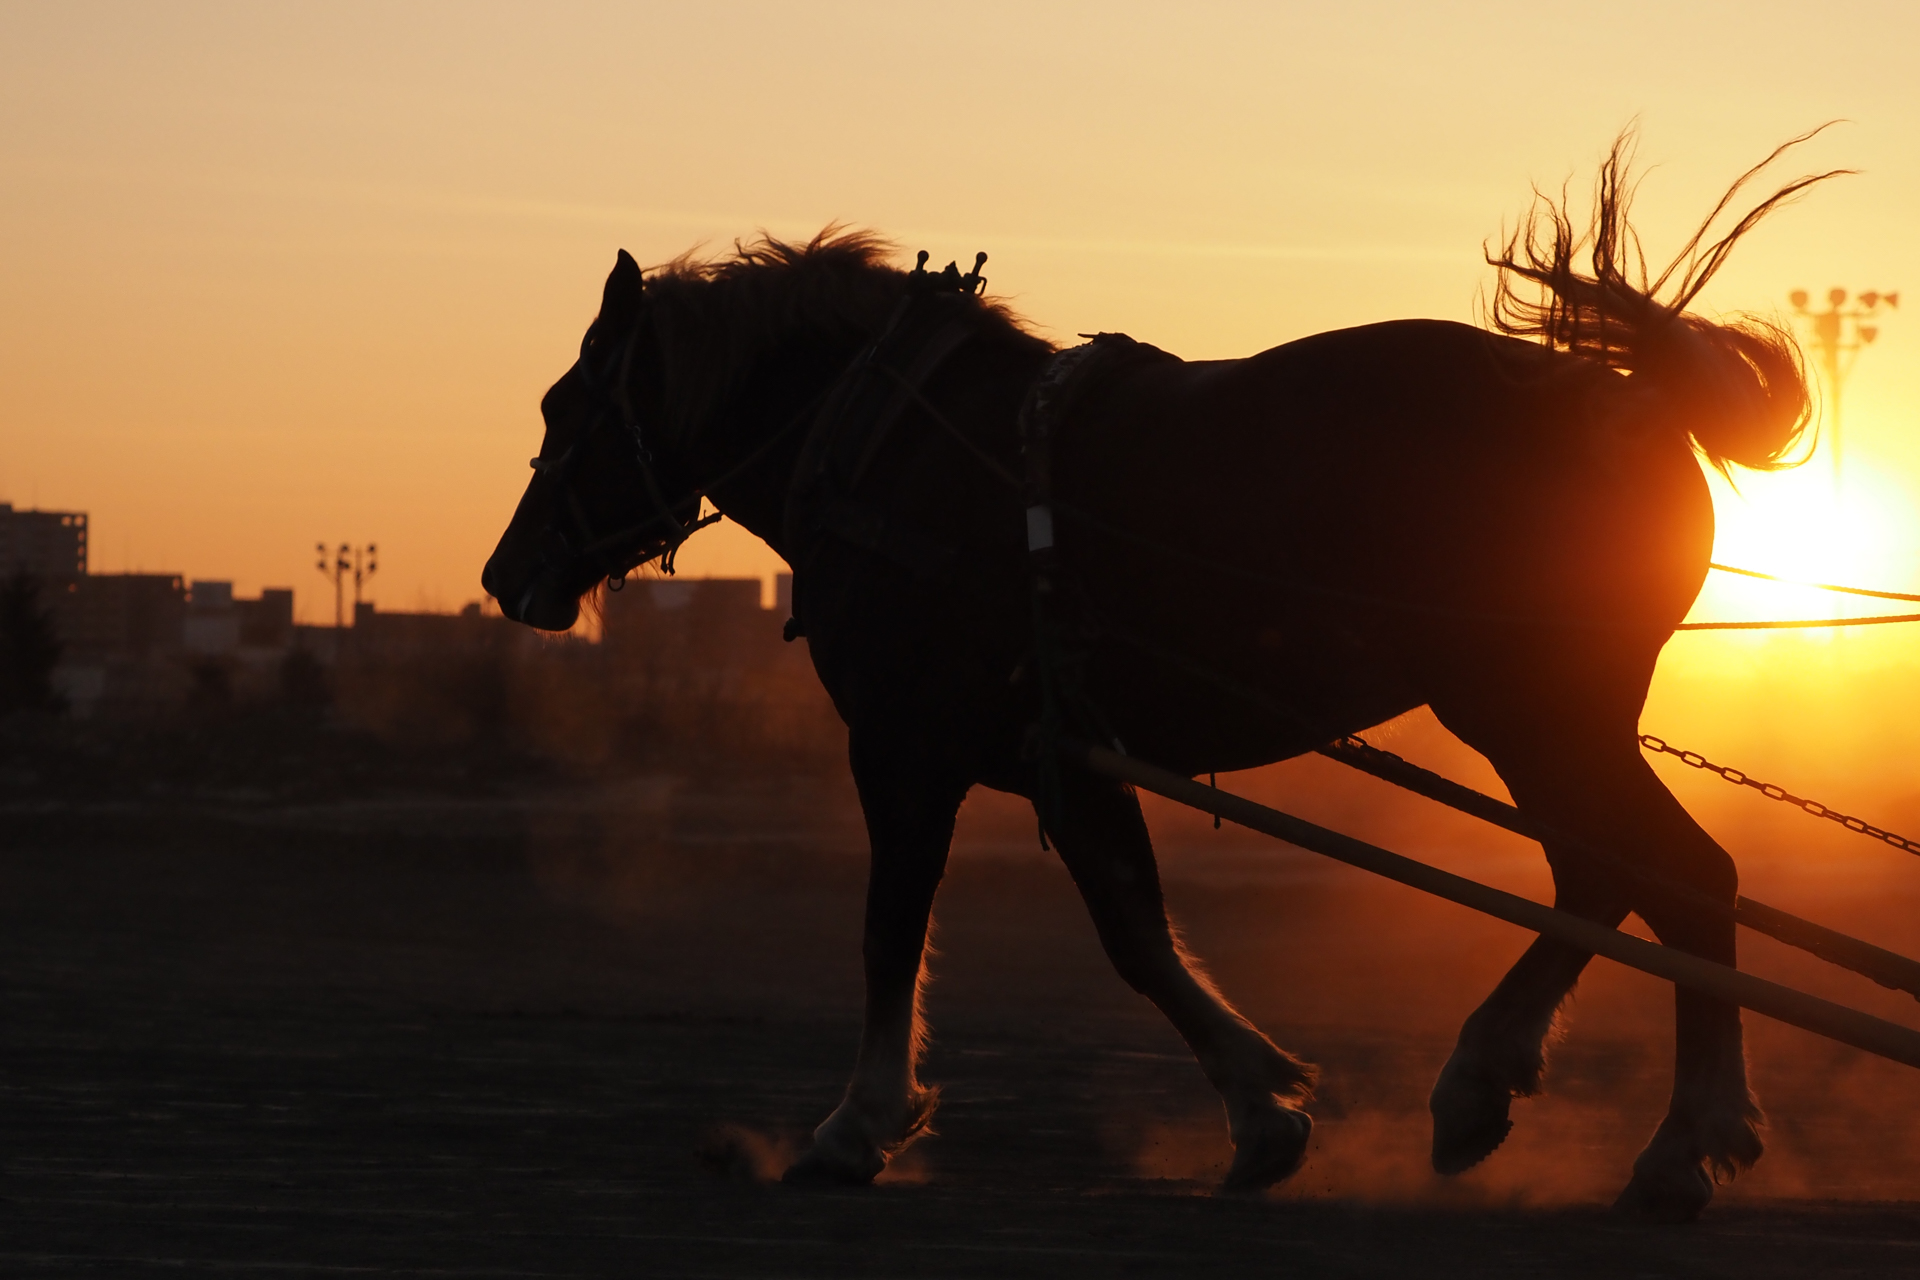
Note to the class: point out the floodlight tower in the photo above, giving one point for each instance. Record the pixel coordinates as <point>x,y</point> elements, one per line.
<point>1840,333</point>
<point>334,573</point>
<point>359,563</point>
<point>362,572</point>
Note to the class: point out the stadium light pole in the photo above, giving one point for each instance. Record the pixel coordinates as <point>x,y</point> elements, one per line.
<point>335,572</point>
<point>1840,333</point>
<point>360,574</point>
<point>336,566</point>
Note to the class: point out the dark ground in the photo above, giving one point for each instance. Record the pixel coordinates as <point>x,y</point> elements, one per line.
<point>571,1034</point>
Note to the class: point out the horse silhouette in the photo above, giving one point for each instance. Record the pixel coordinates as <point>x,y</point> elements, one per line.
<point>1245,559</point>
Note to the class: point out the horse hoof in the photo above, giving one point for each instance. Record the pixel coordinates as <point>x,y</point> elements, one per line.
<point>844,1152</point>
<point>1670,1194</point>
<point>1470,1118</point>
<point>1269,1145</point>
<point>818,1169</point>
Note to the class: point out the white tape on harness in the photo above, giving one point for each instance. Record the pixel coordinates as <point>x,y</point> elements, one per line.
<point>1039,528</point>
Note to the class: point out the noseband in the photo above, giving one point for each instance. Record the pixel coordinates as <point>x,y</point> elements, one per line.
<point>614,554</point>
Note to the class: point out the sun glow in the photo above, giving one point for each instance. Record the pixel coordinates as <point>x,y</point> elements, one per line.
<point>1862,532</point>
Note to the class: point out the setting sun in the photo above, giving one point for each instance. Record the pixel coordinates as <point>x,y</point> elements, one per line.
<point>1796,525</point>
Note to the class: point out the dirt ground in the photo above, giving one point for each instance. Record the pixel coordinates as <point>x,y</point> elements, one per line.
<point>576,1032</point>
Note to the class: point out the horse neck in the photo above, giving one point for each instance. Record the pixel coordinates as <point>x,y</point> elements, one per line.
<point>760,451</point>
<point>755,436</point>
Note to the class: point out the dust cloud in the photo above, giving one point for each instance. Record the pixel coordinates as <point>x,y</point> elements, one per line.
<point>1367,978</point>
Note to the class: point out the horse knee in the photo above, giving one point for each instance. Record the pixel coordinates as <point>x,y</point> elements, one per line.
<point>1684,899</point>
<point>1717,875</point>
<point>1703,867</point>
<point>1144,959</point>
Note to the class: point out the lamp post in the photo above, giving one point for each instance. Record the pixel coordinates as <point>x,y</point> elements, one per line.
<point>1839,334</point>
<point>372,567</point>
<point>334,573</point>
<point>337,566</point>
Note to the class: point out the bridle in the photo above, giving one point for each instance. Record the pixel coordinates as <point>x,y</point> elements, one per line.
<point>616,553</point>
<point>660,535</point>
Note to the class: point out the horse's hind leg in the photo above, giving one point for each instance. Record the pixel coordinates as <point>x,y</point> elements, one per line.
<point>910,804</point>
<point>1575,765</point>
<point>1103,840</point>
<point>1711,1129</point>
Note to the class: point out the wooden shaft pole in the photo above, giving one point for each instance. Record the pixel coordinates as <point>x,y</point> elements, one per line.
<point>1810,1013</point>
<point>1888,968</point>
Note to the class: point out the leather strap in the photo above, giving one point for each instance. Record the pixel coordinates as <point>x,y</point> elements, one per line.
<point>856,422</point>
<point>1052,397</point>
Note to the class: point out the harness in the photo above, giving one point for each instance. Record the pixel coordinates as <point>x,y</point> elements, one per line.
<point>1053,396</point>
<point>616,553</point>
<point>931,323</point>
<point>829,493</point>
<point>1059,645</point>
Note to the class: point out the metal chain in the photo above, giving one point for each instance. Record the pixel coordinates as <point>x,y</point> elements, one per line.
<point>1772,792</point>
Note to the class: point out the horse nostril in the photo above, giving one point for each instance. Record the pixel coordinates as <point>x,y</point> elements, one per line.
<point>490,581</point>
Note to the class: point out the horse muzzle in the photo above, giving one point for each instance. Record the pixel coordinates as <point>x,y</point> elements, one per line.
<point>533,599</point>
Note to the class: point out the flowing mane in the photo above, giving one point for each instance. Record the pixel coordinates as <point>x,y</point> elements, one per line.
<point>710,317</point>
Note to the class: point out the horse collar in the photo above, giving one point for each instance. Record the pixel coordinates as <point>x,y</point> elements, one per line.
<point>1061,384</point>
<point>830,490</point>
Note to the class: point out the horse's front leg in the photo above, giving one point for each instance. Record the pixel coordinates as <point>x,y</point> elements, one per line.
<point>910,805</point>
<point>1104,842</point>
<point>1502,1050</point>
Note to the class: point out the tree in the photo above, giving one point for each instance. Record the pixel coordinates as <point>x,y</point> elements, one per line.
<point>29,649</point>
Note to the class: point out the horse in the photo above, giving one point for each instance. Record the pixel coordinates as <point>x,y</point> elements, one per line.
<point>1218,564</point>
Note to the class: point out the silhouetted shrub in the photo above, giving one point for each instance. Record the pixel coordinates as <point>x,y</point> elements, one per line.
<point>584,706</point>
<point>303,681</point>
<point>29,649</point>
<point>212,687</point>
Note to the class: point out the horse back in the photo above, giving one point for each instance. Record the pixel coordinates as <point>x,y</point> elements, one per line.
<point>1420,460</point>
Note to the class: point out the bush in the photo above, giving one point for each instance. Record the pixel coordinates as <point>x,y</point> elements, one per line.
<point>29,648</point>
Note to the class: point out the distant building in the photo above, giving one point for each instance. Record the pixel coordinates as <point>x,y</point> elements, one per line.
<point>152,640</point>
<point>718,620</point>
<point>211,628</point>
<point>121,639</point>
<point>707,630</point>
<point>266,623</point>
<point>217,623</point>
<point>51,545</point>
<point>701,650</point>
<point>125,615</point>
<point>378,634</point>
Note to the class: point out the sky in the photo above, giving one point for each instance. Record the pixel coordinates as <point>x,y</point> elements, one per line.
<point>277,274</point>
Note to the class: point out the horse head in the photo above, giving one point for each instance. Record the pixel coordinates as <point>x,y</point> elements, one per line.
<point>579,523</point>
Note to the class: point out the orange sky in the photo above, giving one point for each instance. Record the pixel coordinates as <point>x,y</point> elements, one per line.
<point>272,275</point>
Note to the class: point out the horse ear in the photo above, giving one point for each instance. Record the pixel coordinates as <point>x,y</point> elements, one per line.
<point>621,301</point>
